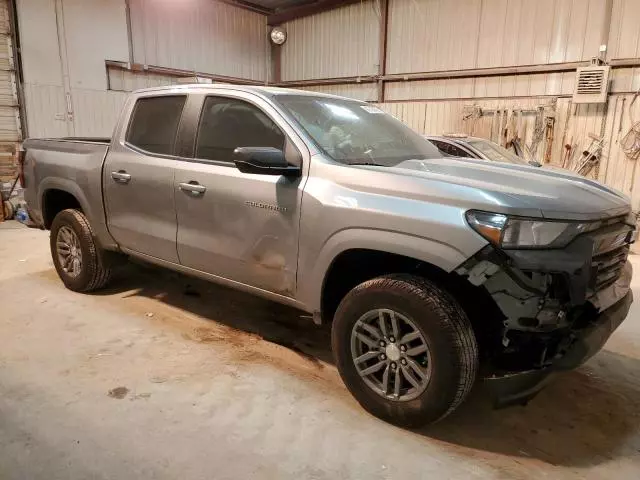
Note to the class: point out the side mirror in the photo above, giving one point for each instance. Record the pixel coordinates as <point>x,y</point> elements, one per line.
<point>264,161</point>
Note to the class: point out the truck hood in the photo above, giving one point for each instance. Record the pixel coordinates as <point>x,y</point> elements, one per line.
<point>520,189</point>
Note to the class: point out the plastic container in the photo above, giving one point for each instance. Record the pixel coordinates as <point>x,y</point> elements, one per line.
<point>22,216</point>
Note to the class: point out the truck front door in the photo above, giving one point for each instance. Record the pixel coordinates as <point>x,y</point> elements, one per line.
<point>138,178</point>
<point>242,227</point>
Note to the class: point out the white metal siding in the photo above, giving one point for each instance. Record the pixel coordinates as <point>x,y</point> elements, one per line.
<point>46,110</point>
<point>200,35</point>
<point>625,80</point>
<point>624,36</point>
<point>428,35</point>
<point>95,31</point>
<point>339,43</point>
<point>39,42</point>
<point>95,113</point>
<point>69,97</point>
<point>432,35</point>
<point>127,81</point>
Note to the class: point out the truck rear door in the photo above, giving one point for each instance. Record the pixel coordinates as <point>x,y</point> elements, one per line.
<point>138,177</point>
<point>242,227</point>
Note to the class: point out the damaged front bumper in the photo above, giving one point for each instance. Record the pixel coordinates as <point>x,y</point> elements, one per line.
<point>511,388</point>
<point>552,308</point>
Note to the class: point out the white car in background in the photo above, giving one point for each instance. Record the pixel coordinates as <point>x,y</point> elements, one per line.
<point>461,145</point>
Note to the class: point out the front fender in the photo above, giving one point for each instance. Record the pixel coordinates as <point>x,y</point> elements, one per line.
<point>427,250</point>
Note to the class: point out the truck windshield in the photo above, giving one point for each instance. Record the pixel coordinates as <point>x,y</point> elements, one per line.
<point>356,133</point>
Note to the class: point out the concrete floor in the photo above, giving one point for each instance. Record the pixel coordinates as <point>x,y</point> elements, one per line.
<point>162,377</point>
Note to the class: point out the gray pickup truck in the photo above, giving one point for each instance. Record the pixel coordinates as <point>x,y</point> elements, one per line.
<point>432,271</point>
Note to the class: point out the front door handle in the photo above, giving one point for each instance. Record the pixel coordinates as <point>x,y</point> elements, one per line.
<point>192,187</point>
<point>121,176</point>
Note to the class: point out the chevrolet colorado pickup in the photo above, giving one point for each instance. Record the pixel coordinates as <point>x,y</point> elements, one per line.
<point>433,272</point>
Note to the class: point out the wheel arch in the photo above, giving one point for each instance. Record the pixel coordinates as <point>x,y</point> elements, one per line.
<point>381,245</point>
<point>55,196</point>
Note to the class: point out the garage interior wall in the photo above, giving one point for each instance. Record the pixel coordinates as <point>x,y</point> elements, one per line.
<point>65,44</point>
<point>460,38</point>
<point>493,67</point>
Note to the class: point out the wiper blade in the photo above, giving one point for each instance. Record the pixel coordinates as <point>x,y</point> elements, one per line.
<point>365,163</point>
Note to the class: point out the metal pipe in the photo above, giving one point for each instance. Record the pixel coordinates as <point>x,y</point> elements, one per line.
<point>176,72</point>
<point>127,9</point>
<point>624,62</point>
<point>486,72</point>
<point>328,81</point>
<point>606,27</point>
<point>382,58</point>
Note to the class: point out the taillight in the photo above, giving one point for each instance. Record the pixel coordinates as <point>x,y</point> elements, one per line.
<point>21,157</point>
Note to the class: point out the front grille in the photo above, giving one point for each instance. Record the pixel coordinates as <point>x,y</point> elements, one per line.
<point>610,252</point>
<point>607,267</point>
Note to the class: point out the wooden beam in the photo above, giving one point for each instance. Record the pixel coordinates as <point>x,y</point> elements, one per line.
<point>288,14</point>
<point>248,6</point>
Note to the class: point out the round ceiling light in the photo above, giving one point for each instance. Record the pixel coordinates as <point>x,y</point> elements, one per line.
<point>278,35</point>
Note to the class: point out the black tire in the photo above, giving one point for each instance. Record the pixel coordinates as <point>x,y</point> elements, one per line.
<point>445,327</point>
<point>95,271</point>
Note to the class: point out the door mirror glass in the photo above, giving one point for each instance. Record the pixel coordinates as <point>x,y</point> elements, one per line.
<point>264,161</point>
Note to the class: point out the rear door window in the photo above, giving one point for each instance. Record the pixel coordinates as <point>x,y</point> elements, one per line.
<point>228,123</point>
<point>154,123</point>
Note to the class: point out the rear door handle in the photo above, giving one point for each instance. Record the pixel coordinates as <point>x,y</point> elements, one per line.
<point>192,187</point>
<point>121,176</point>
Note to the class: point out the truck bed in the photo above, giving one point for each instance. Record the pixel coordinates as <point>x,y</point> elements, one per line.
<point>73,165</point>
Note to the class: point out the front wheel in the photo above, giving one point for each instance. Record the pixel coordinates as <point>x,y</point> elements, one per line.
<point>405,349</point>
<point>81,264</point>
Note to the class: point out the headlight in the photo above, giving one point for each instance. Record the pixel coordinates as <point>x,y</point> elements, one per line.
<point>519,232</point>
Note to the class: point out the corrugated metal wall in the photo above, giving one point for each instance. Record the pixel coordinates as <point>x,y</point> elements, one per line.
<point>199,35</point>
<point>127,81</point>
<point>624,36</point>
<point>339,43</point>
<point>65,44</point>
<point>428,35</point>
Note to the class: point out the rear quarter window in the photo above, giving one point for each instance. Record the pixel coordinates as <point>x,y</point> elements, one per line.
<point>450,150</point>
<point>154,123</point>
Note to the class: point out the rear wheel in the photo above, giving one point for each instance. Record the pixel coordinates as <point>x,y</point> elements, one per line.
<point>81,264</point>
<point>405,349</point>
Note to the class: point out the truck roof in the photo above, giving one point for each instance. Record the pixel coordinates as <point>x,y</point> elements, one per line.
<point>260,89</point>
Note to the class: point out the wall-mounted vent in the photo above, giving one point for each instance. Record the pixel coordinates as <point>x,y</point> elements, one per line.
<point>592,84</point>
